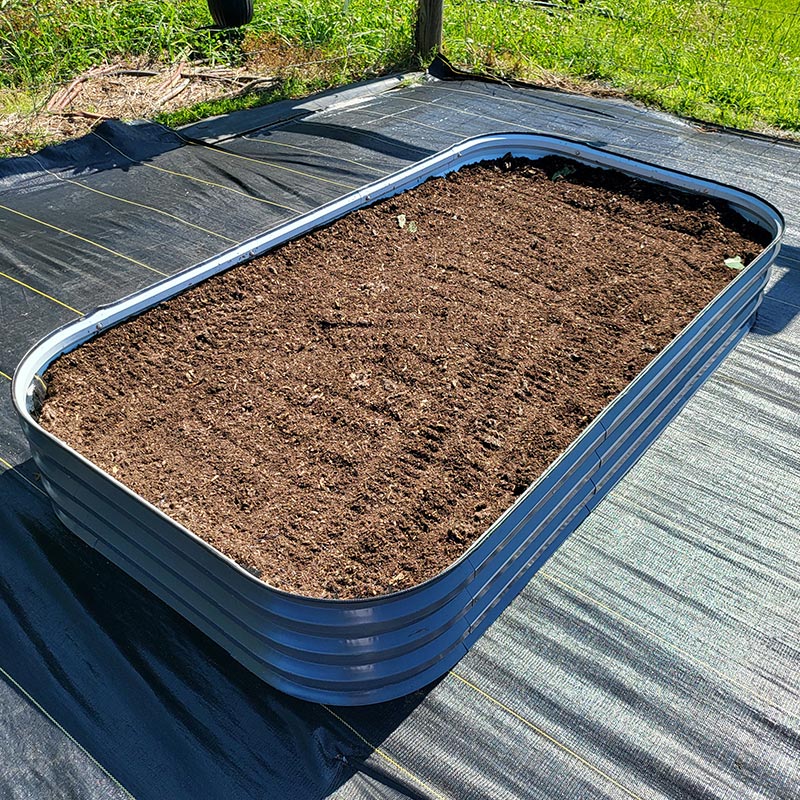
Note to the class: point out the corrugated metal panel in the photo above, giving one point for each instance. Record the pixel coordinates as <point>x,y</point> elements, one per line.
<point>363,651</point>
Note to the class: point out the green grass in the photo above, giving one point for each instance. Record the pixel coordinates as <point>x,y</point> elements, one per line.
<point>735,63</point>
<point>48,41</point>
<point>287,88</point>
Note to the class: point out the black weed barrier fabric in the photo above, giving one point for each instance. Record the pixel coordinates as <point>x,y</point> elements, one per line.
<point>656,656</point>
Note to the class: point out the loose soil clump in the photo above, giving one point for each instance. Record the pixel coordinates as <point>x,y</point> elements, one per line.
<point>347,414</point>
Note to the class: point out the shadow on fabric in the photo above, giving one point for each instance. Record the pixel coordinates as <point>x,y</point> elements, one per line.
<point>774,317</point>
<point>164,709</point>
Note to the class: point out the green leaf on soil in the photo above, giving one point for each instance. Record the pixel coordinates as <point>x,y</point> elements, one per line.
<point>734,263</point>
<point>564,172</point>
<point>412,227</point>
<point>401,220</point>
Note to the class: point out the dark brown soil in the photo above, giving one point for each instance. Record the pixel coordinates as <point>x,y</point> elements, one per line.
<point>347,414</point>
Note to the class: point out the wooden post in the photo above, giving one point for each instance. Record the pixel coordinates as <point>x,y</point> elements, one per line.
<point>429,28</point>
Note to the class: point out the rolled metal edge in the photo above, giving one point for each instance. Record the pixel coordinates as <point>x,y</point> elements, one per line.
<point>375,649</point>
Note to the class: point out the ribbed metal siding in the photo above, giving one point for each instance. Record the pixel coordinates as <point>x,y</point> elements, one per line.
<point>362,651</point>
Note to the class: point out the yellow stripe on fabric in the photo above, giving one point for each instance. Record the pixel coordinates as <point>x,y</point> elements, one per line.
<point>384,755</point>
<point>378,115</point>
<point>514,124</point>
<point>271,143</point>
<point>547,736</point>
<point>20,475</point>
<point>581,114</point>
<point>485,116</point>
<point>197,180</point>
<point>157,211</point>
<point>537,106</point>
<point>378,138</point>
<point>39,292</point>
<point>676,648</point>
<point>278,166</point>
<point>85,240</point>
<point>36,704</point>
<point>134,203</point>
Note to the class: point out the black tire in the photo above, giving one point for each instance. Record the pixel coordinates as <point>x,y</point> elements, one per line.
<point>231,13</point>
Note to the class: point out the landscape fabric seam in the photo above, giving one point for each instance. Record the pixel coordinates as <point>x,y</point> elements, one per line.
<point>378,116</point>
<point>513,123</point>
<point>465,112</point>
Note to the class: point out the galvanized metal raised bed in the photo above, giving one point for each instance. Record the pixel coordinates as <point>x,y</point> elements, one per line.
<point>363,651</point>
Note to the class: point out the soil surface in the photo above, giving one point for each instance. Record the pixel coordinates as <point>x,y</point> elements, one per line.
<point>347,414</point>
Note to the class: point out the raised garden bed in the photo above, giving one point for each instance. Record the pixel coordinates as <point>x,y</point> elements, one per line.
<point>346,417</point>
